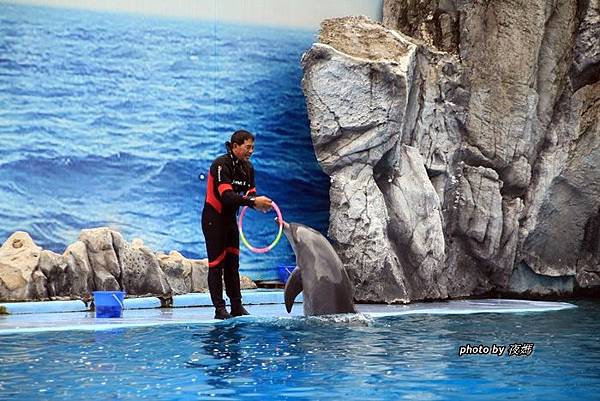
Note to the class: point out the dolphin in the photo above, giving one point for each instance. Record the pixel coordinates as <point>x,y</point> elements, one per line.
<point>319,274</point>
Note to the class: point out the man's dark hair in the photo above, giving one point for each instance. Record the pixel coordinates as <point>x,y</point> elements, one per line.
<point>241,136</point>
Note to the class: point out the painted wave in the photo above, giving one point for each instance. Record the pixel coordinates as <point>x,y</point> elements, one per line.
<point>109,119</point>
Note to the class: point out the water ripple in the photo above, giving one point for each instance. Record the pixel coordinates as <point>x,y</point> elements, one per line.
<point>413,356</point>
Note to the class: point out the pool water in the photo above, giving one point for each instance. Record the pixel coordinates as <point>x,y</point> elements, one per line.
<point>553,355</point>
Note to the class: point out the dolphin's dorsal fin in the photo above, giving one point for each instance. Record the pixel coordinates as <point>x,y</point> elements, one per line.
<point>293,287</point>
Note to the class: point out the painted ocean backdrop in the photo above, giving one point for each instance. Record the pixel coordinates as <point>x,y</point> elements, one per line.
<point>111,119</point>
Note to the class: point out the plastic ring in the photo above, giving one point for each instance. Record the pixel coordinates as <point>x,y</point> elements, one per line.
<point>267,248</point>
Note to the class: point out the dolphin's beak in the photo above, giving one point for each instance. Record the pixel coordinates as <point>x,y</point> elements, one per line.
<point>289,233</point>
<point>286,229</point>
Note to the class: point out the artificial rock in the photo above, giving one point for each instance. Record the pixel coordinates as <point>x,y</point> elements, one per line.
<point>462,139</point>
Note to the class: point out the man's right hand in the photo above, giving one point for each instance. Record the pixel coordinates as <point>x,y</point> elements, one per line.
<point>262,203</point>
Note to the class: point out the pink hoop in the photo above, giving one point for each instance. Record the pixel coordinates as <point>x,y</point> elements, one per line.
<point>267,248</point>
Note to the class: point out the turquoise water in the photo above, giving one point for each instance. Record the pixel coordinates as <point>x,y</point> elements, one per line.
<point>403,357</point>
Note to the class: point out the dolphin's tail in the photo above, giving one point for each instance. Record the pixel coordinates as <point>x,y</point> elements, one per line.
<point>293,287</point>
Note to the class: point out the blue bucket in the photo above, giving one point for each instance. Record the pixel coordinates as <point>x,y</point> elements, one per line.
<point>109,303</point>
<point>284,272</point>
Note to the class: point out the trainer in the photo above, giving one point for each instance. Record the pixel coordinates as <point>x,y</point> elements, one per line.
<point>230,185</point>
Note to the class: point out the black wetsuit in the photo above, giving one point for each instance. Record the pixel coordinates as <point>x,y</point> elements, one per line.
<point>230,185</point>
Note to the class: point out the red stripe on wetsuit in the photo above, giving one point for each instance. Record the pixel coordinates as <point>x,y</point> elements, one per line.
<point>211,198</point>
<point>219,259</point>
<point>224,187</point>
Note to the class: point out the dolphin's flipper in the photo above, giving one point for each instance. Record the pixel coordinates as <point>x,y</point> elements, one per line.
<point>293,287</point>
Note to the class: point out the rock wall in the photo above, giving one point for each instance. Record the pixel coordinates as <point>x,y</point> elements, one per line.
<point>462,139</point>
<point>100,260</point>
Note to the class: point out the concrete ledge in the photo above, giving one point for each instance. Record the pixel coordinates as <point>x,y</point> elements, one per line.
<point>16,308</point>
<point>141,303</point>
<point>40,322</point>
<point>266,297</point>
<point>249,297</point>
<point>194,299</point>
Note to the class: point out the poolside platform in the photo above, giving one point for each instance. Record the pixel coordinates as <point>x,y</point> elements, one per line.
<point>197,308</point>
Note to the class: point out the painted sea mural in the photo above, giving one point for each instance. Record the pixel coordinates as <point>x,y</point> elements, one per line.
<point>111,119</point>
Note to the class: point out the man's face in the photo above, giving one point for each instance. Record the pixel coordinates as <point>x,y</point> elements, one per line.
<point>245,150</point>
